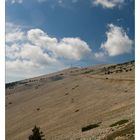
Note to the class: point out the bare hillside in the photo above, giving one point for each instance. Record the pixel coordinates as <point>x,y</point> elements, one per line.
<point>92,103</point>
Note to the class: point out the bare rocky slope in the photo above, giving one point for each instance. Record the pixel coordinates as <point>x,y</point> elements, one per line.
<point>92,103</point>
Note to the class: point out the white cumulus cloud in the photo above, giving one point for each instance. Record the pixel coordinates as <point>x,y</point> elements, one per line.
<point>72,48</point>
<point>69,48</point>
<point>34,52</point>
<point>117,42</point>
<point>14,33</point>
<point>36,55</point>
<point>15,36</point>
<point>108,3</point>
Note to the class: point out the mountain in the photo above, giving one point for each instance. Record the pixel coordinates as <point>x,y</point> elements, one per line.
<point>91,103</point>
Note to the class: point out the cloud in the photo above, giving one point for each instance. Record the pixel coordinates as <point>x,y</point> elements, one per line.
<point>69,48</point>
<point>12,51</point>
<point>14,33</point>
<point>15,36</point>
<point>108,3</point>
<point>67,3</point>
<point>99,55</point>
<point>15,1</point>
<point>22,69</point>
<point>117,42</point>
<point>40,38</point>
<point>11,27</point>
<point>36,55</point>
<point>72,48</point>
<point>34,52</point>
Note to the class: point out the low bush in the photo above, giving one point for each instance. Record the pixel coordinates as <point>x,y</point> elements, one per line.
<point>119,123</point>
<point>86,128</point>
<point>37,134</point>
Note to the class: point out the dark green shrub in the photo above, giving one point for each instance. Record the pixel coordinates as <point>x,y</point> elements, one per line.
<point>90,127</point>
<point>37,134</point>
<point>119,123</point>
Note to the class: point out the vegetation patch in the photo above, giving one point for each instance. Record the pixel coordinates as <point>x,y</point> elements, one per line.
<point>11,85</point>
<point>99,71</point>
<point>56,78</point>
<point>36,134</point>
<point>89,127</point>
<point>77,110</point>
<point>119,123</point>
<point>67,93</point>
<point>128,130</point>
<point>38,109</point>
<point>89,71</point>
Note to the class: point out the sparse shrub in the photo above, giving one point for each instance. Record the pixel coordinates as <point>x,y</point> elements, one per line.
<point>119,123</point>
<point>67,93</point>
<point>126,90</point>
<point>37,134</point>
<point>56,78</point>
<point>108,72</point>
<point>10,103</point>
<point>121,70</point>
<point>90,127</point>
<point>11,85</point>
<point>38,109</point>
<point>89,71</point>
<point>77,110</point>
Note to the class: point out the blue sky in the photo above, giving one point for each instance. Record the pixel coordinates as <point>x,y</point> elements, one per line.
<point>43,36</point>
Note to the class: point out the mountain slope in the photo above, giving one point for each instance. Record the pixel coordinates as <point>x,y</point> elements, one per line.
<point>94,102</point>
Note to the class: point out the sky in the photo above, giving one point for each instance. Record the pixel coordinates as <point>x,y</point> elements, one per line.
<point>44,36</point>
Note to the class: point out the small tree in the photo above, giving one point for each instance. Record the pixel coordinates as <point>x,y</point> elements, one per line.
<point>37,134</point>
